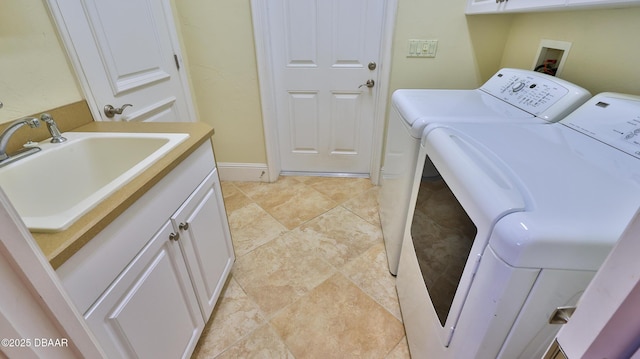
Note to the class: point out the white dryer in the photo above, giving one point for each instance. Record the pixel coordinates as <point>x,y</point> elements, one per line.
<point>511,95</point>
<point>519,222</point>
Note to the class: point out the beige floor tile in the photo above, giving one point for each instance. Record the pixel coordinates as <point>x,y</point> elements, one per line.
<point>234,317</point>
<point>337,320</point>
<point>291,237</point>
<point>252,227</point>
<point>401,351</point>
<point>233,198</point>
<point>339,189</point>
<point>365,205</point>
<point>288,200</point>
<point>338,236</point>
<point>275,275</point>
<point>370,272</point>
<point>264,343</point>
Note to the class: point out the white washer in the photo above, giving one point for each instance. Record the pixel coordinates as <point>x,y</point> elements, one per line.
<point>511,95</point>
<point>545,205</point>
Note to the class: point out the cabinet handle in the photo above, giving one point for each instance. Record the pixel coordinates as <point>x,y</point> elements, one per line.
<point>174,236</point>
<point>183,226</point>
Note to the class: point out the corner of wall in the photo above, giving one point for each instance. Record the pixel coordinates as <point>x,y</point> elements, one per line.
<point>488,34</point>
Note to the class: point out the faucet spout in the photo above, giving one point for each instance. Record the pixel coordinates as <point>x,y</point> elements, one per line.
<point>11,129</point>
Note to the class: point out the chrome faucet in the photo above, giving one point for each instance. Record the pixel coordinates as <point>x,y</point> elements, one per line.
<point>6,135</point>
<point>56,137</point>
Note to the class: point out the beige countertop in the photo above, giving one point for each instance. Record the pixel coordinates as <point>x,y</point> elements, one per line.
<point>60,246</point>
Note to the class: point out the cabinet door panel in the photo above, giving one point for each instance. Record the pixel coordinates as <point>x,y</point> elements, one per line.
<point>206,242</point>
<point>493,6</point>
<point>483,6</point>
<point>533,5</point>
<point>150,311</point>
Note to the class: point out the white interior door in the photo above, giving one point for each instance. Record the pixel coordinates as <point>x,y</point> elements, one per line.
<point>320,55</point>
<point>126,52</point>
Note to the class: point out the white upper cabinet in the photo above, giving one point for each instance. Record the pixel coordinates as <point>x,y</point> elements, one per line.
<point>504,6</point>
<point>602,3</point>
<point>493,6</point>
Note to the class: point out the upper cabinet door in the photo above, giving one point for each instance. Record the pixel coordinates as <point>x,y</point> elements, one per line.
<point>126,52</point>
<point>484,6</point>
<point>603,3</point>
<point>533,5</point>
<point>493,6</point>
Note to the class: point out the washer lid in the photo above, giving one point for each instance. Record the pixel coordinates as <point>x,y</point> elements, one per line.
<point>509,95</point>
<point>611,118</point>
<point>582,193</point>
<point>473,105</point>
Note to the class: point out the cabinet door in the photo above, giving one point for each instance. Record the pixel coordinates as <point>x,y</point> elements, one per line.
<point>483,6</point>
<point>493,6</point>
<point>602,3</point>
<point>150,311</point>
<point>533,5</point>
<point>205,241</point>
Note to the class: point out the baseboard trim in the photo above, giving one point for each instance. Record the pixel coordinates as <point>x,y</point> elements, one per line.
<point>325,174</point>
<point>243,172</point>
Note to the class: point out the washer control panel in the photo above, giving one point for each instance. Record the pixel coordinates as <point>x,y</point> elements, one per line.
<point>611,118</point>
<point>539,94</point>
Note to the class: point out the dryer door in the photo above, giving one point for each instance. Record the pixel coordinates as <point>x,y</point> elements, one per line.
<point>450,221</point>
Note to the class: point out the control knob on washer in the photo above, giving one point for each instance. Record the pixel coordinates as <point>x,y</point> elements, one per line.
<point>518,86</point>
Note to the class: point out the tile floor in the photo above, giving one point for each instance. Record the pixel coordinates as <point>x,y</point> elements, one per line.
<point>311,277</point>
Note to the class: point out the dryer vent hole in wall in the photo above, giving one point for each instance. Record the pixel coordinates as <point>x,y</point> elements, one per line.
<point>548,66</point>
<point>551,57</point>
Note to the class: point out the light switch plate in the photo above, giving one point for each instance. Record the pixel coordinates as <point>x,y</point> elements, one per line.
<point>422,48</point>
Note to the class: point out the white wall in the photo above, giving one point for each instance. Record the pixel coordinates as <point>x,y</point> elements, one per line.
<point>218,42</point>
<point>219,46</point>
<point>605,48</point>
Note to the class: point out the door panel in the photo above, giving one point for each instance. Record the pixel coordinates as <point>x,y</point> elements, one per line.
<point>301,23</point>
<point>303,110</point>
<point>320,54</point>
<point>348,33</point>
<point>129,65</point>
<point>126,53</point>
<point>345,108</point>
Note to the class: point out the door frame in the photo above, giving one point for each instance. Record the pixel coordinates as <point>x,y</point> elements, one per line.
<point>85,85</point>
<point>267,88</point>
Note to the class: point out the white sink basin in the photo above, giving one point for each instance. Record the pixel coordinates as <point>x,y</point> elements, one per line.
<point>54,187</point>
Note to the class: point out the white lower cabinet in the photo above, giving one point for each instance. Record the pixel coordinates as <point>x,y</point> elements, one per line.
<point>148,283</point>
<point>205,241</point>
<point>151,310</point>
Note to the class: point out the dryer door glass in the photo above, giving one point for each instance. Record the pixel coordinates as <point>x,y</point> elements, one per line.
<point>442,234</point>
